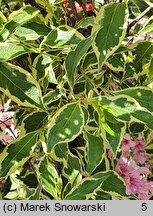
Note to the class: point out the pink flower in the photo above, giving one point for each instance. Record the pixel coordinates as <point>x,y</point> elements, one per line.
<point>109,150</point>
<point>6,138</point>
<point>127,143</point>
<point>140,158</point>
<point>6,118</point>
<point>115,85</point>
<point>128,166</point>
<point>124,166</point>
<point>78,8</point>
<point>139,144</point>
<point>1,107</point>
<point>8,131</point>
<point>136,183</point>
<point>88,7</point>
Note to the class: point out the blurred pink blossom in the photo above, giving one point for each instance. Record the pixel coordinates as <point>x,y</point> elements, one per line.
<point>115,85</point>
<point>124,166</point>
<point>139,144</point>
<point>6,119</point>
<point>129,166</point>
<point>8,131</point>
<point>136,183</point>
<point>109,150</point>
<point>140,158</point>
<point>127,143</point>
<point>6,138</point>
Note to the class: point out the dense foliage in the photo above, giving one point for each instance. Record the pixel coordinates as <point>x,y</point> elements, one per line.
<point>76,91</point>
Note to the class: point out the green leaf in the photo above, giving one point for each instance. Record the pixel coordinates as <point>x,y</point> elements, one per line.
<point>20,86</point>
<point>86,188</point>
<point>113,185</point>
<point>9,51</point>
<point>116,62</point>
<point>29,179</point>
<point>87,21</point>
<point>142,5</point>
<point>17,153</point>
<point>48,176</point>
<point>41,66</point>
<point>65,125</point>
<point>74,57</point>
<point>142,95</point>
<point>142,54</point>
<point>33,122</point>
<point>148,28</point>
<point>95,151</point>
<point>60,152</point>
<point>112,23</point>
<point>53,95</point>
<point>72,167</point>
<point>115,140</point>
<point>62,36</point>
<point>36,194</point>
<point>17,18</point>
<point>120,107</point>
<point>31,31</point>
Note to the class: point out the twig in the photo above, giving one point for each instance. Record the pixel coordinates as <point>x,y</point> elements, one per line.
<point>72,5</point>
<point>3,122</point>
<point>134,21</point>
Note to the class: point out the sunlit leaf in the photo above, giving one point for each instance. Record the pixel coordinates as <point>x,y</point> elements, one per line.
<point>20,86</point>
<point>112,22</point>
<point>49,177</point>
<point>74,57</point>
<point>65,125</point>
<point>17,153</point>
<point>17,18</point>
<point>62,36</point>
<point>9,51</point>
<point>95,151</point>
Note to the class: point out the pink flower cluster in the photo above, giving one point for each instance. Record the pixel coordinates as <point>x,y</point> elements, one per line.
<point>134,168</point>
<point>7,130</point>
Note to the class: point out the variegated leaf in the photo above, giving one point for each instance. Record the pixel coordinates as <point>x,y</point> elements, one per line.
<point>112,23</point>
<point>9,51</point>
<point>142,54</point>
<point>20,86</point>
<point>17,153</point>
<point>74,57</point>
<point>33,122</point>
<point>95,151</point>
<point>116,62</point>
<point>62,36</point>
<point>86,188</point>
<point>65,125</point>
<point>17,18</point>
<point>31,31</point>
<point>113,185</point>
<point>142,95</point>
<point>41,66</point>
<point>48,177</point>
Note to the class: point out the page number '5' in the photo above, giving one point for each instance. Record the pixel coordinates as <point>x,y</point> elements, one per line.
<point>144,206</point>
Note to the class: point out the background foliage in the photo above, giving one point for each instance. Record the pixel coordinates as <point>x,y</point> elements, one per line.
<point>76,77</point>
